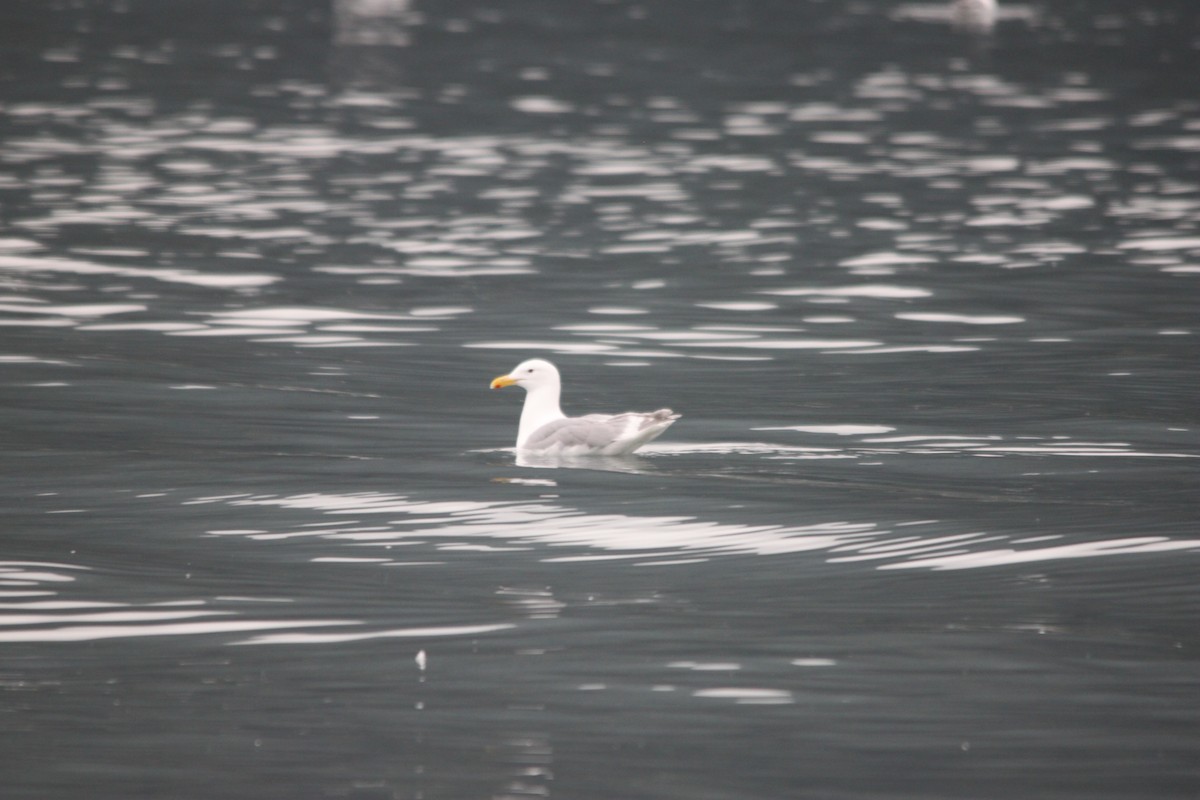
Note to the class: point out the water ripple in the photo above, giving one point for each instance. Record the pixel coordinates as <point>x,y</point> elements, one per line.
<point>74,620</point>
<point>670,541</point>
<point>32,264</point>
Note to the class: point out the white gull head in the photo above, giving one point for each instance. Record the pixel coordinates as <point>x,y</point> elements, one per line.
<point>543,387</point>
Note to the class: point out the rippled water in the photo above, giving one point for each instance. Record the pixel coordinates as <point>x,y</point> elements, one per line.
<point>926,298</point>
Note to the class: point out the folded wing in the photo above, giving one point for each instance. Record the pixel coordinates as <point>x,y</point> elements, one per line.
<point>600,433</point>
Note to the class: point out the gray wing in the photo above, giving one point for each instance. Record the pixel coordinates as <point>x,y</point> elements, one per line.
<point>595,430</point>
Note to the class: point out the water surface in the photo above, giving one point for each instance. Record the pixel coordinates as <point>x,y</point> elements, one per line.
<point>926,299</point>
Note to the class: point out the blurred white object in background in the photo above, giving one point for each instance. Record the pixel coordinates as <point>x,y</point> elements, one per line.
<point>371,22</point>
<point>973,16</point>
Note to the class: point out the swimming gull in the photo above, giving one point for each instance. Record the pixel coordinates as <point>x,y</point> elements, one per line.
<point>545,429</point>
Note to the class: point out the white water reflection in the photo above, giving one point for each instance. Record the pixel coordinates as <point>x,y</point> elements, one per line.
<point>348,209</point>
<point>82,620</point>
<point>372,23</point>
<point>1004,556</point>
<point>49,264</point>
<point>644,541</point>
<point>970,16</point>
<point>1032,445</point>
<point>91,633</point>
<point>878,291</point>
<point>325,195</point>
<point>840,430</point>
<point>748,696</point>
<point>391,633</point>
<point>963,319</point>
<point>26,616</point>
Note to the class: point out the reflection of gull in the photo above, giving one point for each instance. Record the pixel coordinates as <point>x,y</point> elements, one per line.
<point>630,464</point>
<point>544,429</point>
<point>976,16</point>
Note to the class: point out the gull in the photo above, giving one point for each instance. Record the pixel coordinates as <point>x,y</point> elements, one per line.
<point>546,430</point>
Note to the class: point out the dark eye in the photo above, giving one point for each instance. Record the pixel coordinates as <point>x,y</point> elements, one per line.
<point>530,370</point>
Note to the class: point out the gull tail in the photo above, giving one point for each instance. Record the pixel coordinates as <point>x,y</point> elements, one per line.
<point>649,426</point>
<point>659,417</point>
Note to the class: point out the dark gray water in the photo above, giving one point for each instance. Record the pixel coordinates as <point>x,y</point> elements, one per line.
<point>926,298</point>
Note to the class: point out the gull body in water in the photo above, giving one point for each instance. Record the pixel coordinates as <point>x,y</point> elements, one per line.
<point>546,430</point>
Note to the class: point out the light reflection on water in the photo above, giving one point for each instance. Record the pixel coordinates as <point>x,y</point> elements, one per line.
<point>431,533</point>
<point>646,541</point>
<point>924,297</point>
